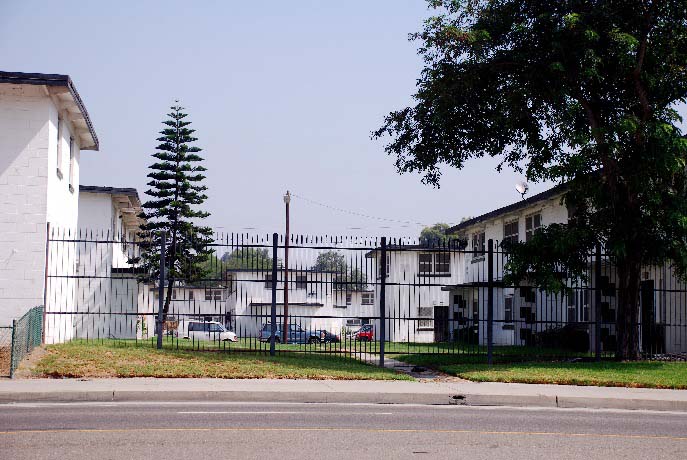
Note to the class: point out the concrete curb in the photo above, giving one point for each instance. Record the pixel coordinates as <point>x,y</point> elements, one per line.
<point>431,398</point>
<point>339,391</point>
<point>227,396</point>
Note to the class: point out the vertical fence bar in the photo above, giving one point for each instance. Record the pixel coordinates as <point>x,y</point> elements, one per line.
<point>14,334</point>
<point>597,302</point>
<point>273,310</point>
<point>45,280</point>
<point>490,302</point>
<point>161,289</point>
<point>382,304</point>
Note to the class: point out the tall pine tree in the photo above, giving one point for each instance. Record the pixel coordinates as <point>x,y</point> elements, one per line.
<point>176,192</point>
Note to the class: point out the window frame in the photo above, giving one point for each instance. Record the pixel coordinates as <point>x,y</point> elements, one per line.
<point>508,310</point>
<point>446,262</point>
<point>301,281</point>
<point>512,236</point>
<point>425,318</point>
<point>422,266</point>
<point>60,127</point>
<point>434,263</point>
<point>72,163</point>
<point>530,221</point>
<point>479,245</point>
<point>370,296</point>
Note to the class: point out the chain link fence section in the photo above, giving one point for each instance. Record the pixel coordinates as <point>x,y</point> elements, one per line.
<point>27,333</point>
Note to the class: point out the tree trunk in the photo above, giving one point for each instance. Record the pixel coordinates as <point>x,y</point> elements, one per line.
<point>627,320</point>
<point>168,298</point>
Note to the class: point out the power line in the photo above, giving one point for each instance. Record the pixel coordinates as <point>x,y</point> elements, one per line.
<point>359,214</point>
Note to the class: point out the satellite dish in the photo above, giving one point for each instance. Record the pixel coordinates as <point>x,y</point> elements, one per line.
<point>522,188</point>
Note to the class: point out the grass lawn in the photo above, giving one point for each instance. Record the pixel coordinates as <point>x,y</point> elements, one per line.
<point>642,374</point>
<point>116,359</point>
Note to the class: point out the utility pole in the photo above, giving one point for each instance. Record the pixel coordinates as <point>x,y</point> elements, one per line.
<point>285,333</point>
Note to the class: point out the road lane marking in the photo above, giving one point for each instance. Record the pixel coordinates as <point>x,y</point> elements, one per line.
<point>279,412</point>
<point>360,430</point>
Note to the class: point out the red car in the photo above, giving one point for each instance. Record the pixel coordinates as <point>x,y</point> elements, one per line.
<point>364,334</point>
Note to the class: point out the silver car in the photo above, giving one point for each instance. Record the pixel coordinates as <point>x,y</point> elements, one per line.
<point>208,330</point>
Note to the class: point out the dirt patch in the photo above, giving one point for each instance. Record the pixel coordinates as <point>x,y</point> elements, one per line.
<point>5,357</point>
<point>28,364</point>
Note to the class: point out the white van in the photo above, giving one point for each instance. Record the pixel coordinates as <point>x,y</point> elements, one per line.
<point>208,330</point>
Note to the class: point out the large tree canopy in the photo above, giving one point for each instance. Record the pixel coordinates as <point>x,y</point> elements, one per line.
<point>575,91</point>
<point>346,278</point>
<point>434,235</point>
<point>176,193</point>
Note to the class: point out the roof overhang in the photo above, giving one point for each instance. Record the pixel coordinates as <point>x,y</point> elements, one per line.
<point>63,92</point>
<point>549,194</point>
<point>125,199</point>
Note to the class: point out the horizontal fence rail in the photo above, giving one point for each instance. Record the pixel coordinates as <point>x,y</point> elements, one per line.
<point>351,296</point>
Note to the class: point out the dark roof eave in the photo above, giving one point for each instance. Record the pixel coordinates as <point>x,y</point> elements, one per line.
<point>21,78</point>
<point>545,195</point>
<point>109,190</point>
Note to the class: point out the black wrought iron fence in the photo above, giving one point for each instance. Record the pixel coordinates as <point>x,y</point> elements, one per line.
<point>352,296</point>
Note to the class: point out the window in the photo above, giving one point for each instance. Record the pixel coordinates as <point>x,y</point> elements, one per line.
<point>59,148</point>
<point>268,281</point>
<point>508,309</point>
<point>572,309</point>
<point>585,305</point>
<point>426,312</point>
<point>532,224</point>
<point>387,267</point>
<point>478,245</point>
<point>174,294</point>
<point>438,264</point>
<point>425,263</point>
<point>301,282</point>
<point>511,232</point>
<point>213,294</point>
<point>190,294</point>
<point>349,299</point>
<point>124,241</point>
<point>442,263</point>
<point>216,327</point>
<point>72,164</point>
<point>368,298</point>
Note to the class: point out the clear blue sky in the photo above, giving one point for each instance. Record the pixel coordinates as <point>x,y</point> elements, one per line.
<point>283,95</point>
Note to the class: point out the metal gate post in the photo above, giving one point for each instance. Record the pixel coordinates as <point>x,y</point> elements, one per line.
<point>14,335</point>
<point>382,304</point>
<point>161,288</point>
<point>273,311</point>
<point>490,302</point>
<point>597,301</point>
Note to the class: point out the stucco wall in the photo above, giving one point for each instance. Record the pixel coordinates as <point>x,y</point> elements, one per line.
<point>25,130</point>
<point>408,291</point>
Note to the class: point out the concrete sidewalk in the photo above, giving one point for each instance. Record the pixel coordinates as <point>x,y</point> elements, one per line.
<point>340,391</point>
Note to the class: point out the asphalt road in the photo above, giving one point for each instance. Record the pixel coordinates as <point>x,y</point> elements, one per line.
<point>306,431</point>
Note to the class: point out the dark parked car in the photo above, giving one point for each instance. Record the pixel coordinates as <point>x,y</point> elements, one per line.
<point>298,335</point>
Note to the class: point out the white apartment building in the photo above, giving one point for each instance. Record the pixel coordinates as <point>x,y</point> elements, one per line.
<point>517,310</point>
<point>44,126</point>
<point>110,300</point>
<point>417,307</point>
<point>315,301</point>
